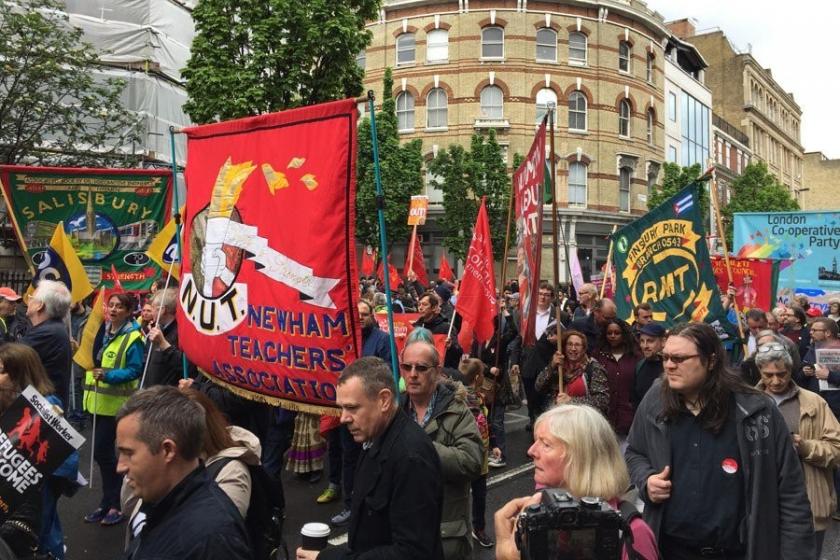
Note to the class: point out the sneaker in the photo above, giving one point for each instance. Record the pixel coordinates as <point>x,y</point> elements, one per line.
<point>341,519</point>
<point>328,495</point>
<point>482,539</point>
<point>496,462</point>
<point>114,517</point>
<point>95,516</point>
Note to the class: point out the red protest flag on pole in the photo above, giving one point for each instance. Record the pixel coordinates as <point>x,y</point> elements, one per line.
<point>368,261</point>
<point>393,273</point>
<point>118,288</point>
<point>445,272</point>
<point>418,265</point>
<point>477,296</point>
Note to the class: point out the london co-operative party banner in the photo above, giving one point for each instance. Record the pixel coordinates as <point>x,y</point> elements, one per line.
<point>109,215</point>
<point>808,241</point>
<point>662,259</point>
<point>268,278</point>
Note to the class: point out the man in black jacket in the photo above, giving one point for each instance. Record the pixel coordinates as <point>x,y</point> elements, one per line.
<point>160,435</point>
<point>397,493</point>
<point>13,323</point>
<point>49,336</point>
<point>603,311</point>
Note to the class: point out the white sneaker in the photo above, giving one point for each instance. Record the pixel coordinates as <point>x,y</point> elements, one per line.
<point>496,462</point>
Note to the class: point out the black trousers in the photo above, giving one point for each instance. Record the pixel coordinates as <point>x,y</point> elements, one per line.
<point>104,453</point>
<point>670,549</point>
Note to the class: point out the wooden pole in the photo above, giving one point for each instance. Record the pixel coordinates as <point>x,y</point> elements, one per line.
<point>503,276</point>
<point>554,244</point>
<point>411,249</point>
<point>608,267</point>
<point>715,204</point>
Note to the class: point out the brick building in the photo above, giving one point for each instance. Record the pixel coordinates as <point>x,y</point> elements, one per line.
<point>462,67</point>
<point>822,180</point>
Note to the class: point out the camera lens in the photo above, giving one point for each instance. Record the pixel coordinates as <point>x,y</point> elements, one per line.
<point>567,518</point>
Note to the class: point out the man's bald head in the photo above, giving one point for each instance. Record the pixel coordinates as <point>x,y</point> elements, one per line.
<point>604,310</point>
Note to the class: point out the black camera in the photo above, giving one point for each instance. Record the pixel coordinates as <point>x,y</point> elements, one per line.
<point>563,528</point>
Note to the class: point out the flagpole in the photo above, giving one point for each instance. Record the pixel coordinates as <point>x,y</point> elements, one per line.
<point>157,324</point>
<point>177,217</point>
<point>383,241</point>
<point>411,249</point>
<point>608,266</point>
<point>556,264</point>
<point>503,275</point>
<point>714,201</point>
<point>93,430</point>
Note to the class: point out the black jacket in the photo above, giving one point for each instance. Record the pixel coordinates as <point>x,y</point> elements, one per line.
<point>166,367</point>
<point>397,498</point>
<point>195,521</point>
<point>51,341</point>
<point>13,327</point>
<point>590,328</point>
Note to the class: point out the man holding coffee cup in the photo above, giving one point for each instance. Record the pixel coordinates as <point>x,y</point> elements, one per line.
<point>397,492</point>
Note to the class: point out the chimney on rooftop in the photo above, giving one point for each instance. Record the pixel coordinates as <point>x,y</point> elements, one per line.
<point>682,28</point>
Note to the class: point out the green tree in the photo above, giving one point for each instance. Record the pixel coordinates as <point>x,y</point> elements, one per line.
<point>756,190</point>
<point>674,179</point>
<point>464,177</point>
<point>401,169</point>
<point>54,108</point>
<point>257,56</point>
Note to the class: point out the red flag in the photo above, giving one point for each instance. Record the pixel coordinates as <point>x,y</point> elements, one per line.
<point>368,261</point>
<point>118,288</point>
<point>477,294</point>
<point>418,265</point>
<point>393,274</point>
<point>444,272</point>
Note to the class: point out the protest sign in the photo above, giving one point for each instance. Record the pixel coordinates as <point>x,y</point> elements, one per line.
<point>268,276</point>
<point>403,325</point>
<point>808,243</point>
<point>754,279</point>
<point>110,216</point>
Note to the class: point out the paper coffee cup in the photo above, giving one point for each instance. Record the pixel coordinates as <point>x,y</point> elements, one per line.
<point>313,536</point>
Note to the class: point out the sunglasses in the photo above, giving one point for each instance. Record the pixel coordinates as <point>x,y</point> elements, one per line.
<point>677,359</point>
<point>419,368</point>
<point>771,347</point>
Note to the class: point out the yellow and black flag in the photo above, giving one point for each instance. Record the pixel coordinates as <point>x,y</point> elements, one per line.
<point>60,262</point>
<point>164,249</point>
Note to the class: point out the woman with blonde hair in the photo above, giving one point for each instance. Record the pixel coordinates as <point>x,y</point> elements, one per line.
<point>575,449</point>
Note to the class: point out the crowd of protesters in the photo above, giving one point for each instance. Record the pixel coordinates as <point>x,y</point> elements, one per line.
<point>728,448</point>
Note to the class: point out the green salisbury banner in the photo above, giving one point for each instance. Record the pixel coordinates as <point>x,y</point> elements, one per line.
<point>662,259</point>
<point>109,215</point>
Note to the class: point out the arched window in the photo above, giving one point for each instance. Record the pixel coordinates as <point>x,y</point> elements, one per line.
<point>492,103</point>
<point>361,59</point>
<point>492,42</point>
<point>405,48</point>
<point>436,109</point>
<point>624,178</point>
<point>650,61</point>
<point>624,50</point>
<point>651,122</point>
<point>624,118</point>
<point>437,45</point>
<point>545,97</point>
<point>405,111</point>
<point>577,184</point>
<point>577,111</point>
<point>547,45</point>
<point>577,48</point>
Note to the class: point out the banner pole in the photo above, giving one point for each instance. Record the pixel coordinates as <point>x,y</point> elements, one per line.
<point>411,249</point>
<point>177,216</point>
<point>383,240</point>
<point>93,431</point>
<point>157,322</point>
<point>713,199</point>
<point>553,168</point>
<point>503,276</point>
<point>608,266</point>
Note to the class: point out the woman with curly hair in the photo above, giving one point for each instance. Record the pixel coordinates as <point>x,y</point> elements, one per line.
<point>584,378</point>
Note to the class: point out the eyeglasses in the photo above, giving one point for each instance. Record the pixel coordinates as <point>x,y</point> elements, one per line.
<point>677,359</point>
<point>419,368</point>
<point>771,347</point>
<point>546,294</point>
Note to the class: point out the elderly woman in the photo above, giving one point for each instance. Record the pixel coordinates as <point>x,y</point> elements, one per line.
<point>439,407</point>
<point>815,431</point>
<point>584,378</point>
<point>574,449</point>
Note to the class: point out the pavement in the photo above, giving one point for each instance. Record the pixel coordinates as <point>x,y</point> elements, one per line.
<point>86,541</point>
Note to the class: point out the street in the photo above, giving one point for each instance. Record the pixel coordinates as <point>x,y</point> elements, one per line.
<point>85,541</point>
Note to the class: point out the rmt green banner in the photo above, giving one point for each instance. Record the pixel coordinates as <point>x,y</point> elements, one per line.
<point>662,259</point>
<point>109,215</point>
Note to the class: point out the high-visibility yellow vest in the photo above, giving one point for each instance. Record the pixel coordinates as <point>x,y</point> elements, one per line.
<point>102,398</point>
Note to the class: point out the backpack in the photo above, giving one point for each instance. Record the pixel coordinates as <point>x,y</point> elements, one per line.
<point>266,510</point>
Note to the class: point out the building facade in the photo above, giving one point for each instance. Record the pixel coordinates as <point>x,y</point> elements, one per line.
<point>746,95</point>
<point>464,67</point>
<point>822,182</point>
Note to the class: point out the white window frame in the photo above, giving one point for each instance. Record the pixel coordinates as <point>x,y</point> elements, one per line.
<point>624,121</point>
<point>542,108</point>
<point>436,109</point>
<point>624,45</point>
<point>649,69</point>
<point>672,106</point>
<point>361,59</point>
<point>576,187</point>
<point>553,44</point>
<point>576,60</point>
<point>651,127</point>
<point>621,189</point>
<point>577,111</point>
<point>433,41</point>
<point>404,112</point>
<point>401,48</point>
<point>486,43</point>
<point>673,154</point>
<point>483,104</point>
